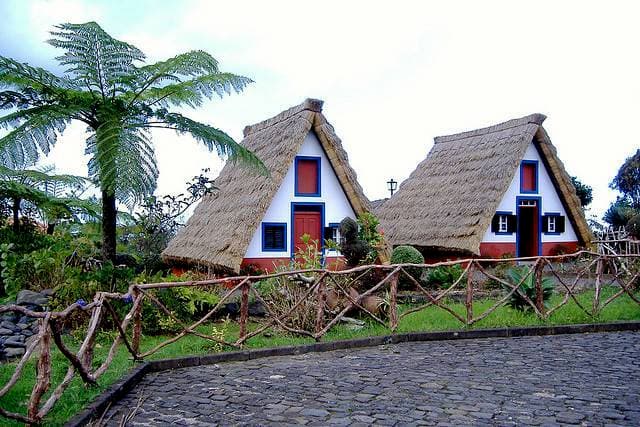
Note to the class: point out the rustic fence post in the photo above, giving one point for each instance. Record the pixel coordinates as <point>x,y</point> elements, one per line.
<point>322,296</point>
<point>43,370</point>
<point>469,299</point>
<point>538,267</point>
<point>137,321</point>
<point>393,302</point>
<point>596,297</point>
<point>244,310</point>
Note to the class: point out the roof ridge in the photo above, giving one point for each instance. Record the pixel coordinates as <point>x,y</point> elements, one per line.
<point>309,104</point>
<point>536,118</point>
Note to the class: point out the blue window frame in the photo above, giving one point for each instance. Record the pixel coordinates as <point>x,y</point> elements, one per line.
<point>274,237</point>
<point>503,223</point>
<point>536,175</point>
<point>318,174</point>
<point>553,223</point>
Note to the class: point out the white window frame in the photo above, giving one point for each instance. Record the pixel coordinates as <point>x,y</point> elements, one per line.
<point>551,224</point>
<point>503,223</point>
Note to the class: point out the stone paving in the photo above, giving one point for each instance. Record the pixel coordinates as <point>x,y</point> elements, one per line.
<point>590,379</point>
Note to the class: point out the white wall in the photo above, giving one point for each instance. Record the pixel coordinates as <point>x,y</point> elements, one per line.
<point>336,203</point>
<point>550,203</point>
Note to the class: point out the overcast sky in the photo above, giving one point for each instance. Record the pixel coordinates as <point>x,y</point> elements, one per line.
<point>393,75</point>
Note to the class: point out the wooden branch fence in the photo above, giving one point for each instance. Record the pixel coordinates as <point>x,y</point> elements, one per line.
<point>568,271</point>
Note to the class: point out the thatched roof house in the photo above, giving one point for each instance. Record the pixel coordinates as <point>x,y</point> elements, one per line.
<point>479,193</point>
<point>255,219</point>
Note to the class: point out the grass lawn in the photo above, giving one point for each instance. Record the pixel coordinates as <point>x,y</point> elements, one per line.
<point>430,319</point>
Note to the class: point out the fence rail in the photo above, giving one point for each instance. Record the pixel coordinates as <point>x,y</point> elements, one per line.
<point>318,291</point>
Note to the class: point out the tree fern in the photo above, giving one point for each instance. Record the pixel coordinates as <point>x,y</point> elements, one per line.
<point>107,87</point>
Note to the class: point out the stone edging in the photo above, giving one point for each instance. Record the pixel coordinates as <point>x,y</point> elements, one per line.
<point>120,388</point>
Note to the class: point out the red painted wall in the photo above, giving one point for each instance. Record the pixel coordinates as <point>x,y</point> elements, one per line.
<point>498,250</point>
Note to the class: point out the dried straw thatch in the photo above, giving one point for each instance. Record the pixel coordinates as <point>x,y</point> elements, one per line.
<point>220,230</point>
<point>448,202</point>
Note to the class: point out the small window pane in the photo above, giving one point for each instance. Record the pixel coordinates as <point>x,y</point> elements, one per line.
<point>502,224</point>
<point>274,237</point>
<point>551,226</point>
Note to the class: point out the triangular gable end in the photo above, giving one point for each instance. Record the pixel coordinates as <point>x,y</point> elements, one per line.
<point>331,202</point>
<point>532,184</point>
<point>223,224</point>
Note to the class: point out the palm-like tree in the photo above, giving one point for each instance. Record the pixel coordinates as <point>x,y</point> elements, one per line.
<point>53,197</point>
<point>119,102</point>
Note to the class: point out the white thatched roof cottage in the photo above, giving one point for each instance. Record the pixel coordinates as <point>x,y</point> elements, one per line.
<point>490,192</point>
<point>258,220</point>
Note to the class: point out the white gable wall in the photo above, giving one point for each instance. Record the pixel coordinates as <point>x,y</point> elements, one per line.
<point>336,204</point>
<point>550,202</point>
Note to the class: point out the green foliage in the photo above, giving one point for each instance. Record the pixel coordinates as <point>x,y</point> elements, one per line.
<point>408,255</point>
<point>158,222</point>
<point>528,288</point>
<point>444,276</point>
<point>584,192</point>
<point>185,302</point>
<point>368,232</point>
<point>34,261</point>
<point>307,255</point>
<point>620,212</point>
<point>633,226</point>
<point>627,180</point>
<point>354,249</point>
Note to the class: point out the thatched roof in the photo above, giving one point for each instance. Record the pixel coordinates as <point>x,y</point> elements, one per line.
<point>222,225</point>
<point>448,202</point>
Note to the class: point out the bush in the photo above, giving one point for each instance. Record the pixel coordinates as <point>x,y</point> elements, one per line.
<point>354,249</point>
<point>528,287</point>
<point>444,276</point>
<point>633,226</point>
<point>408,255</point>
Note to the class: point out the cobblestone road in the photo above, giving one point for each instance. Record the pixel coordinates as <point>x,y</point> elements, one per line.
<point>591,379</point>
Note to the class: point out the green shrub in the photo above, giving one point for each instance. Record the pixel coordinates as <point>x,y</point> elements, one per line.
<point>368,232</point>
<point>528,287</point>
<point>407,255</point>
<point>633,226</point>
<point>444,276</point>
<point>354,249</point>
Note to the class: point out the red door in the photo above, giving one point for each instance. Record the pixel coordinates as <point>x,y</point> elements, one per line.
<point>306,223</point>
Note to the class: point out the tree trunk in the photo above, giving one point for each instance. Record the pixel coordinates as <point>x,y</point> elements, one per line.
<point>51,227</point>
<point>108,226</point>
<point>16,214</point>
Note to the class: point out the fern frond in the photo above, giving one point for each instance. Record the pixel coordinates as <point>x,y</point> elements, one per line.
<point>193,92</point>
<point>213,139</point>
<point>194,63</point>
<point>123,162</point>
<point>94,57</point>
<point>23,145</point>
<point>14,74</point>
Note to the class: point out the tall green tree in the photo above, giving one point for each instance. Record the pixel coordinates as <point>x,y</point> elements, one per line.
<point>107,86</point>
<point>584,192</point>
<point>627,181</point>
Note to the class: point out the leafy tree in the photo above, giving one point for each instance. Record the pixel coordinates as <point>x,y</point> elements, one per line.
<point>584,192</point>
<point>620,212</point>
<point>120,102</point>
<point>627,181</point>
<point>48,197</point>
<point>160,219</point>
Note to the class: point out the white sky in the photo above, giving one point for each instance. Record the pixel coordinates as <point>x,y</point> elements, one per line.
<point>392,74</point>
